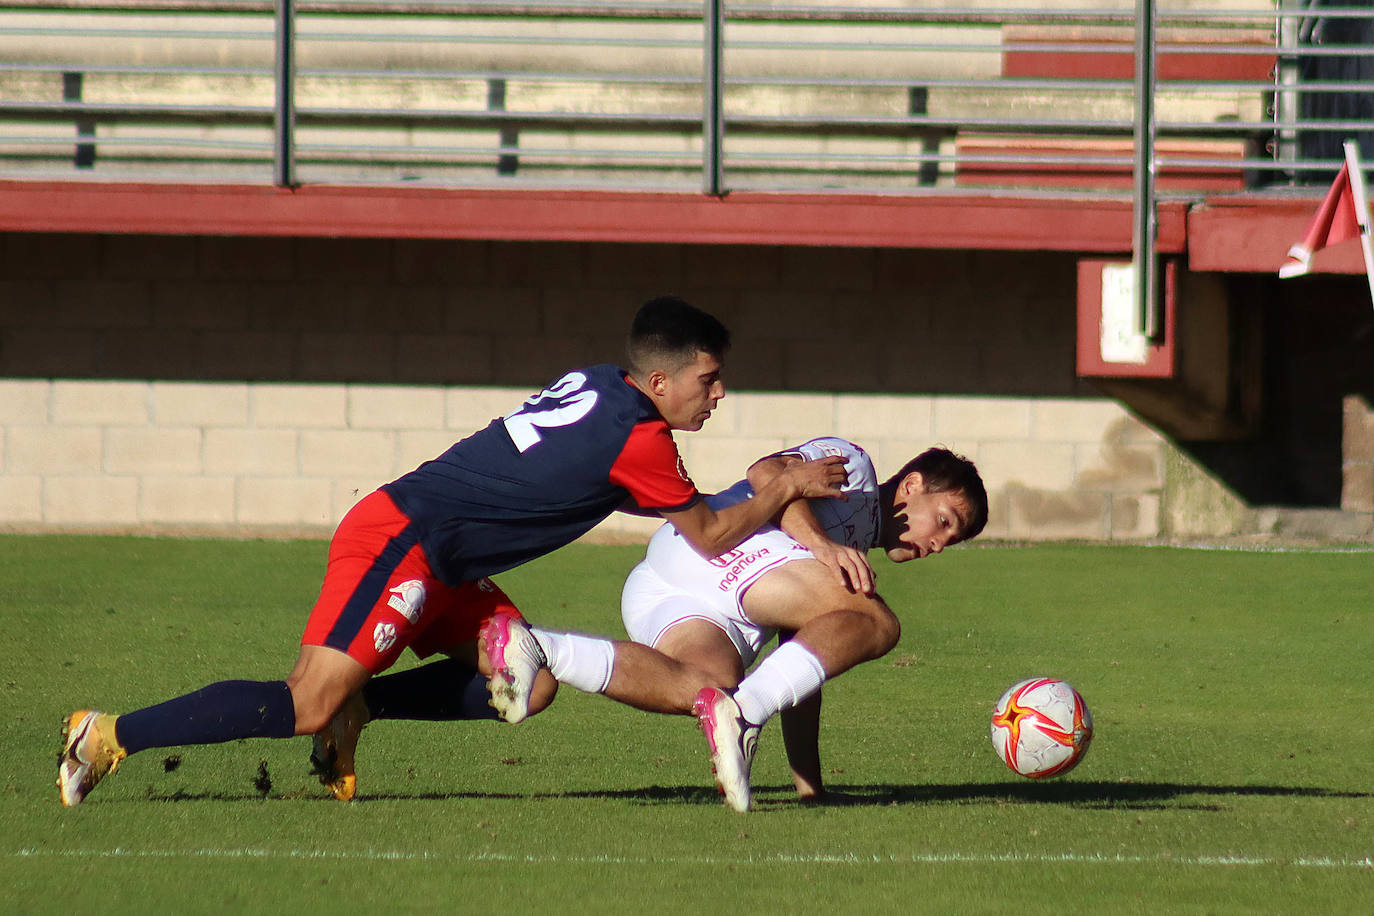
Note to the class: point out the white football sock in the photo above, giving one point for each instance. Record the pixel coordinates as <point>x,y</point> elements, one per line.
<point>579,661</point>
<point>782,680</point>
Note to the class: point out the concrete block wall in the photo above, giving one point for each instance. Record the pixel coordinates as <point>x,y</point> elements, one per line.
<point>293,458</point>
<point>239,385</point>
<point>1357,495</point>
<point>1055,468</point>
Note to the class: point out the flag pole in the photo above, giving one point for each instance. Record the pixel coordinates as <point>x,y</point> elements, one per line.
<point>1357,190</point>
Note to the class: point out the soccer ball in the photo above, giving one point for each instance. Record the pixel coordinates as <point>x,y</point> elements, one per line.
<point>1041,727</point>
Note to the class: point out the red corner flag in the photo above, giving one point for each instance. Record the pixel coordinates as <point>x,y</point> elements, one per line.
<point>1335,222</point>
<point>1343,215</point>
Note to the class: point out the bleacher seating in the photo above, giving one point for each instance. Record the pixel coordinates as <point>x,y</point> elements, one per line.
<point>895,99</point>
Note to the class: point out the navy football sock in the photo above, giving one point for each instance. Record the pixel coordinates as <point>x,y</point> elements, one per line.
<point>220,712</point>
<point>441,691</point>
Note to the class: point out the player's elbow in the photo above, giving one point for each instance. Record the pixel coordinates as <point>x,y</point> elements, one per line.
<point>714,532</point>
<point>708,549</point>
<point>711,541</point>
<point>760,474</point>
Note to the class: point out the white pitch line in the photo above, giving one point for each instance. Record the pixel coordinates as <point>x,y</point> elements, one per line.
<point>383,855</point>
<point>1268,548</point>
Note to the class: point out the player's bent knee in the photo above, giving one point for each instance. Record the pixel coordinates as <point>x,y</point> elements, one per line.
<point>884,629</point>
<point>889,632</point>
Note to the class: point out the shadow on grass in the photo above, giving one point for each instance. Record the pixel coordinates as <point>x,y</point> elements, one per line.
<point>1105,795</point>
<point>1125,795</point>
<point>651,795</point>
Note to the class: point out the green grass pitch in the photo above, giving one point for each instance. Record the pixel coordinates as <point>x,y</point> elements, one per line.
<point>1232,769</point>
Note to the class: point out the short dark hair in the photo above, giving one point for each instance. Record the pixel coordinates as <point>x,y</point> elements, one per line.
<point>945,472</point>
<point>669,332</point>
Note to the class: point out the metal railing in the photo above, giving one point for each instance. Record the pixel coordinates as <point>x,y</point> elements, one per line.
<point>721,96</point>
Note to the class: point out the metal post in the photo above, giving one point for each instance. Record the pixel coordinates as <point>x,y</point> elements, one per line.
<point>284,151</point>
<point>1287,76</point>
<point>507,163</point>
<point>72,82</point>
<point>713,115</point>
<point>1355,169</point>
<point>1146,226</point>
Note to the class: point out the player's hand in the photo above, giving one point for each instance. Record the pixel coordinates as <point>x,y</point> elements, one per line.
<point>821,477</point>
<point>850,565</point>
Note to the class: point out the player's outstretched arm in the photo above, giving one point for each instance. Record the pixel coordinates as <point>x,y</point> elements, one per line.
<point>851,566</point>
<point>712,532</point>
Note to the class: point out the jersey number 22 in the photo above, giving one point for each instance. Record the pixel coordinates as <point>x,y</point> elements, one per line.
<point>563,404</point>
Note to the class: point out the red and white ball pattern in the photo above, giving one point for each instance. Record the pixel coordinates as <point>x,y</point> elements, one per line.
<point>1041,727</point>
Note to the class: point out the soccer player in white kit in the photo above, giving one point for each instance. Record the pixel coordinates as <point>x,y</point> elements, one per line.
<point>718,613</point>
<point>806,579</point>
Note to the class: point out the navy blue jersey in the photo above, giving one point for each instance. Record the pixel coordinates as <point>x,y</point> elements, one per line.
<point>544,475</point>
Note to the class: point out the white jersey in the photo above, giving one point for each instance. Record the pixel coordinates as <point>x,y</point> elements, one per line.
<point>674,583</point>
<point>853,522</point>
<point>856,522</point>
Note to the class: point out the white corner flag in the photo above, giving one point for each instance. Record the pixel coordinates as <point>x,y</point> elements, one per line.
<point>1343,215</point>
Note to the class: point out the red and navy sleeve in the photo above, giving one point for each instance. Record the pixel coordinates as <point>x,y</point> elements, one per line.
<point>650,467</point>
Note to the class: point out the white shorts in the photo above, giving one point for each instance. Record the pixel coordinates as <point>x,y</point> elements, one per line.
<point>674,583</point>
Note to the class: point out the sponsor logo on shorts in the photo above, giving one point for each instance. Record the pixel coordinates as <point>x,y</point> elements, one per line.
<point>409,599</point>
<point>725,560</point>
<point>742,564</point>
<point>383,636</point>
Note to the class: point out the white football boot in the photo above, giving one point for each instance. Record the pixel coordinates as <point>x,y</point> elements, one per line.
<point>732,740</point>
<point>516,658</point>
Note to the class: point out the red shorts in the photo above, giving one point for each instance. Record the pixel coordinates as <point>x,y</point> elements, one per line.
<point>380,596</point>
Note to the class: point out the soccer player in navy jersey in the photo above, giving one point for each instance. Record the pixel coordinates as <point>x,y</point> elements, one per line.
<point>409,564</point>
